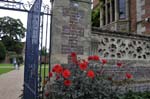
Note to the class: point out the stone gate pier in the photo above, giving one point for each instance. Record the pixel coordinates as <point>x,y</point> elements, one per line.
<point>71,29</point>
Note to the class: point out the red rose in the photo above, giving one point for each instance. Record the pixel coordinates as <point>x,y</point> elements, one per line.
<point>74,60</point>
<point>46,94</point>
<point>83,66</point>
<point>74,57</point>
<point>90,74</point>
<point>128,76</point>
<point>96,58</point>
<point>104,61</point>
<point>73,54</point>
<point>119,64</point>
<point>57,77</point>
<point>50,74</point>
<point>57,68</point>
<point>53,69</point>
<point>67,83</point>
<point>110,78</point>
<point>90,58</point>
<point>86,62</point>
<point>66,73</point>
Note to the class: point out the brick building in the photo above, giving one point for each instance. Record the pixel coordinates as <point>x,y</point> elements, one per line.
<point>125,15</point>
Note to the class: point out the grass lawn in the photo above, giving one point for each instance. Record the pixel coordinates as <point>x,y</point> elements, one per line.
<point>46,70</point>
<point>4,68</point>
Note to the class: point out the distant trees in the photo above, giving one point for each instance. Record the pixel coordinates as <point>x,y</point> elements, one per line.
<point>96,17</point>
<point>11,33</point>
<point>12,28</point>
<point>12,45</point>
<point>2,51</point>
<point>44,51</point>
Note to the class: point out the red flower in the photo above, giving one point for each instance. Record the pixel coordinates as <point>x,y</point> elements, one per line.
<point>128,76</point>
<point>86,62</point>
<point>66,73</point>
<point>110,78</point>
<point>57,68</point>
<point>90,58</point>
<point>50,74</point>
<point>67,82</point>
<point>83,66</point>
<point>46,94</point>
<point>90,74</point>
<point>96,58</point>
<point>73,54</point>
<point>104,61</point>
<point>57,77</point>
<point>119,64</point>
<point>74,57</point>
<point>74,60</point>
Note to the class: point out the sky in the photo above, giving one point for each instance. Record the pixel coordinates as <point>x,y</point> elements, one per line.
<point>21,15</point>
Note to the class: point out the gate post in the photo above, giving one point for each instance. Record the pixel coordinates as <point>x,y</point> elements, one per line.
<point>71,29</point>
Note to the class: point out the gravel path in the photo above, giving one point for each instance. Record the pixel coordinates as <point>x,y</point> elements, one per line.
<point>11,84</point>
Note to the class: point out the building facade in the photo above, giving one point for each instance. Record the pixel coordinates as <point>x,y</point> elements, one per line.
<point>125,15</point>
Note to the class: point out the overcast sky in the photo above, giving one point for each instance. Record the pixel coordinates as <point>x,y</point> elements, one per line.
<point>20,15</point>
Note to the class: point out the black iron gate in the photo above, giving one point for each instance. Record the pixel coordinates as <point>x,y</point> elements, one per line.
<point>32,52</point>
<point>36,64</point>
<point>38,27</point>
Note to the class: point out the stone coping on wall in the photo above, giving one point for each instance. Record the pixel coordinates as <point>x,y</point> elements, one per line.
<point>99,31</point>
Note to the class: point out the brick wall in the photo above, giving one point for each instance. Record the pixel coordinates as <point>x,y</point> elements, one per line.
<point>147,14</point>
<point>95,3</point>
<point>133,15</point>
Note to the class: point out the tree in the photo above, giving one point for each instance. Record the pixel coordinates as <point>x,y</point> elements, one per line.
<point>12,28</point>
<point>12,45</point>
<point>96,17</point>
<point>8,42</point>
<point>11,33</point>
<point>2,51</point>
<point>44,51</point>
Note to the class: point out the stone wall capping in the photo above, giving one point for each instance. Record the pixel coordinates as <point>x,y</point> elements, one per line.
<point>99,31</point>
<point>83,1</point>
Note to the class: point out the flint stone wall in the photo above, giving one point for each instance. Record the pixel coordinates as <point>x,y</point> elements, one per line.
<point>117,45</point>
<point>131,49</point>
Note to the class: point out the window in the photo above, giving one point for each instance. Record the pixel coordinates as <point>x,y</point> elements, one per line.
<point>104,16</point>
<point>113,10</point>
<point>108,13</point>
<point>122,9</point>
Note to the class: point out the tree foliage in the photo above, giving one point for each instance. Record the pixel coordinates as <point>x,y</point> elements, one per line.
<point>2,51</point>
<point>44,51</point>
<point>12,45</point>
<point>96,17</point>
<point>11,33</point>
<point>12,28</point>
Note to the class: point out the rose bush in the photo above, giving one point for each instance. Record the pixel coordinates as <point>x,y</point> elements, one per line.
<point>84,79</point>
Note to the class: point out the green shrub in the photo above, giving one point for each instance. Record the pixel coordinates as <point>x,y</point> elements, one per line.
<point>2,51</point>
<point>135,95</point>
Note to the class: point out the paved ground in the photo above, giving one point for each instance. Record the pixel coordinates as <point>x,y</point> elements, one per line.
<point>11,84</point>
